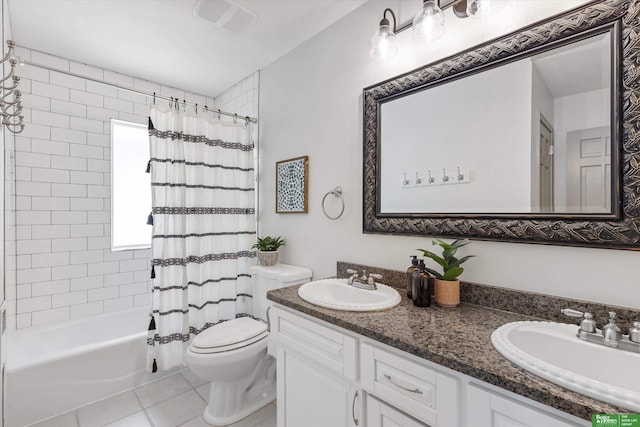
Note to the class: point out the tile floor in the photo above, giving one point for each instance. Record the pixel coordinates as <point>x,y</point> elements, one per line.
<point>174,401</point>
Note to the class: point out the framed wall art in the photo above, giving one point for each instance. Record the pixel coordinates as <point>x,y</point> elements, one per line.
<point>292,185</point>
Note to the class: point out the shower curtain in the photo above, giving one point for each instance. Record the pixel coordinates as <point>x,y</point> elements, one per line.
<point>202,183</point>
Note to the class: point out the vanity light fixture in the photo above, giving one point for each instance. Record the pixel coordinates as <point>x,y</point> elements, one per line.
<point>482,8</point>
<point>428,24</point>
<point>383,42</point>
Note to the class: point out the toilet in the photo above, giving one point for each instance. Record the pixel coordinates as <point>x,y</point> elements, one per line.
<point>232,355</point>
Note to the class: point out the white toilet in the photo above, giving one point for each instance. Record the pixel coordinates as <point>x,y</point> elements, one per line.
<point>233,354</point>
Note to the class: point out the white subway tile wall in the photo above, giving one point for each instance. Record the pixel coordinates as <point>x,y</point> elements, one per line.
<point>242,98</point>
<point>64,265</point>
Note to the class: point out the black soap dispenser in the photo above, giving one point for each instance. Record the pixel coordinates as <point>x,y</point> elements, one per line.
<point>415,278</point>
<point>422,287</point>
<point>412,269</point>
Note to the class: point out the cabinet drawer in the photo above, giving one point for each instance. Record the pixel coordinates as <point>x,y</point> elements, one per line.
<point>414,388</point>
<point>316,342</point>
<point>379,414</point>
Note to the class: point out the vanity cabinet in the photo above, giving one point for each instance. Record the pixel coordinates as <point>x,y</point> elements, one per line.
<point>317,373</point>
<point>489,409</point>
<point>330,377</point>
<point>311,396</point>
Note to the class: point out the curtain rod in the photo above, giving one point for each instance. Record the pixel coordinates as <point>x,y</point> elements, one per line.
<point>150,95</point>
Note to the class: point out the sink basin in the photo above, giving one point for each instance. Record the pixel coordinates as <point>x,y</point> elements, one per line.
<point>552,351</point>
<point>339,295</point>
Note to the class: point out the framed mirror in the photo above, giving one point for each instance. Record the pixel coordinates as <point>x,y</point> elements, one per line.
<point>532,137</point>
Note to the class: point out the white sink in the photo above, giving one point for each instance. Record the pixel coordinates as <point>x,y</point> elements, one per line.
<point>552,351</point>
<point>339,295</point>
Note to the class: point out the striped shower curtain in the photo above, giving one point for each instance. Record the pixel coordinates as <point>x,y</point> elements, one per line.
<point>202,183</point>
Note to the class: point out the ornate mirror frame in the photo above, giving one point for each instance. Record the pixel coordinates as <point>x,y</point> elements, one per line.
<point>620,229</point>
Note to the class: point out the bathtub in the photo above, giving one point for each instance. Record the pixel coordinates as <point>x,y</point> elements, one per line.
<point>57,368</point>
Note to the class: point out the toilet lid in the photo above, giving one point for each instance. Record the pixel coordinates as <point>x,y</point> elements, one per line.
<point>229,335</point>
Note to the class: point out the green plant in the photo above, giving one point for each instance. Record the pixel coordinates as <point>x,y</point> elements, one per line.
<point>268,244</point>
<point>450,264</point>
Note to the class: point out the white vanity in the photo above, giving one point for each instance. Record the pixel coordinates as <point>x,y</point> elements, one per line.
<point>330,376</point>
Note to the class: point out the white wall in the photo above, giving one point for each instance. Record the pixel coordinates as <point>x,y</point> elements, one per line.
<point>311,105</point>
<point>439,129</point>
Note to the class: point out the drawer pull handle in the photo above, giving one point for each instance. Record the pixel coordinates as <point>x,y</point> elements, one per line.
<point>391,380</point>
<point>353,408</point>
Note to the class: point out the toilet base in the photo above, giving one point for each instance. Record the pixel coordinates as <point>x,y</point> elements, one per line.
<point>214,420</point>
<point>231,402</point>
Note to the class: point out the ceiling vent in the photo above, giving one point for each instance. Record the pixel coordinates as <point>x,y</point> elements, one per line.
<point>225,14</point>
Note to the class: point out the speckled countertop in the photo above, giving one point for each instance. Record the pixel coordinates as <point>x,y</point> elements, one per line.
<point>458,338</point>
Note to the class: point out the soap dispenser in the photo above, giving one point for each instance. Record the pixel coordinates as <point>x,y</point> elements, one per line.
<point>415,277</point>
<point>412,269</point>
<point>422,287</point>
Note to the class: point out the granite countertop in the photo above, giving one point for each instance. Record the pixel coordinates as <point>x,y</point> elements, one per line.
<point>456,338</point>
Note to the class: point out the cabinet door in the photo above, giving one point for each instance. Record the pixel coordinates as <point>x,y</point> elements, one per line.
<point>487,409</point>
<point>379,414</point>
<point>312,396</point>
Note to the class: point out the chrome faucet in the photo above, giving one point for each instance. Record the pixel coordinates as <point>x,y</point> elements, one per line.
<point>610,335</point>
<point>611,332</point>
<point>365,281</point>
<point>587,324</point>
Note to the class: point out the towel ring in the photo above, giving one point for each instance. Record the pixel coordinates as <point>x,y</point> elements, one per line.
<point>337,192</point>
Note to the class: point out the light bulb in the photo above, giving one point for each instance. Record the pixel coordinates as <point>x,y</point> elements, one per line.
<point>428,23</point>
<point>383,42</point>
<point>482,8</point>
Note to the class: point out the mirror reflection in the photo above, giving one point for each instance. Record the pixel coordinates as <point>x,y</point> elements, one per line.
<point>530,136</point>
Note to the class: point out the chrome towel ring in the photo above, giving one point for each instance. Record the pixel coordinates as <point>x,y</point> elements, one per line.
<point>336,192</point>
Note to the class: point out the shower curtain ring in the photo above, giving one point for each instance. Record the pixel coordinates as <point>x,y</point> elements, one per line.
<point>235,118</point>
<point>184,105</point>
<point>196,108</point>
<point>219,116</point>
<point>154,98</point>
<point>246,121</point>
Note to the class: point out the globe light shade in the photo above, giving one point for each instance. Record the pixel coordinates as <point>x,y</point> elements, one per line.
<point>428,23</point>
<point>383,43</point>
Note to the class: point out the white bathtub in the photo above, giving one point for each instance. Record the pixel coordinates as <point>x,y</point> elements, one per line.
<point>53,369</point>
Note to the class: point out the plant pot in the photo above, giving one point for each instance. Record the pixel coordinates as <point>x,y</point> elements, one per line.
<point>268,258</point>
<point>447,292</point>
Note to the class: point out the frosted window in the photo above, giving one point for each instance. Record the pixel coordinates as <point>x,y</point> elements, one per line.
<point>130,186</point>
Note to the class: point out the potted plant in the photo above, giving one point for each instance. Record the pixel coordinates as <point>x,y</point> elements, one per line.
<point>268,249</point>
<point>447,285</point>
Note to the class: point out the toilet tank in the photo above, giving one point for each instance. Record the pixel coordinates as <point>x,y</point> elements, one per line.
<point>264,279</point>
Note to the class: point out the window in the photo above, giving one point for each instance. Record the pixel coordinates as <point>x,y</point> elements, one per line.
<point>130,186</point>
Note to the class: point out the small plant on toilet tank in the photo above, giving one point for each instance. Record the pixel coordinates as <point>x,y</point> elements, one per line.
<point>447,285</point>
<point>268,249</point>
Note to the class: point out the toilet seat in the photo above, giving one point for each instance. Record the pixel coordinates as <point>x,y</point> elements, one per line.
<point>230,335</point>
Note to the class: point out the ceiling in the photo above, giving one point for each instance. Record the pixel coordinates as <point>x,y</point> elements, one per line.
<point>576,68</point>
<point>164,41</point>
